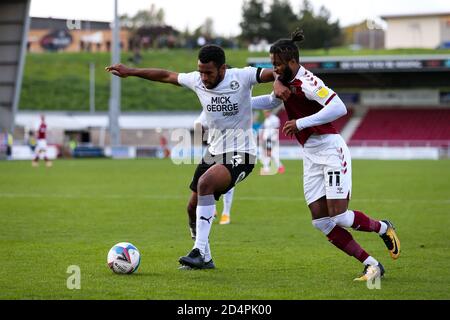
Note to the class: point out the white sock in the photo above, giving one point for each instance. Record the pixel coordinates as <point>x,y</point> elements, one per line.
<point>208,256</point>
<point>383,228</point>
<point>266,163</point>
<point>276,157</point>
<point>370,261</point>
<point>277,162</point>
<point>205,212</point>
<point>227,202</point>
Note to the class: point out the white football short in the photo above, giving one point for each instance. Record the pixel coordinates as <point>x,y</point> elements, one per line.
<point>41,145</point>
<point>327,168</point>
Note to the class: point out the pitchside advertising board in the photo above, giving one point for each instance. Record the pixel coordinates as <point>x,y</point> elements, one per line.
<point>25,153</point>
<point>364,78</point>
<point>194,155</point>
<point>296,153</point>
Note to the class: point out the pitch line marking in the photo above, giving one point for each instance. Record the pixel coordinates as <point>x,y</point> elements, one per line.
<point>178,197</point>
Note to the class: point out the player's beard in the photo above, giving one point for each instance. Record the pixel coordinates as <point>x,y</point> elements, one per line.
<point>216,82</point>
<point>286,76</point>
<point>212,85</point>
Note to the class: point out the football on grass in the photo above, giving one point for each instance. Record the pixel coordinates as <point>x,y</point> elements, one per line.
<point>124,258</point>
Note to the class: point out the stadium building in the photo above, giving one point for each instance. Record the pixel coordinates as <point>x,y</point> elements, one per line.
<point>399,106</point>
<point>418,31</point>
<point>50,34</point>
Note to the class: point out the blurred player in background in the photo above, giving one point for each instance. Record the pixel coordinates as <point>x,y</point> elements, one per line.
<point>225,95</point>
<point>31,141</point>
<point>9,145</point>
<point>311,107</point>
<point>41,147</point>
<point>270,144</point>
<point>200,127</point>
<point>164,145</point>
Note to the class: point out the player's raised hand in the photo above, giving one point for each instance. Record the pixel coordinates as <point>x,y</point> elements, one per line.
<point>290,128</point>
<point>119,70</point>
<point>281,91</point>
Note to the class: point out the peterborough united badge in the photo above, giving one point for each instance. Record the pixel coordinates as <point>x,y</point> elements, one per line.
<point>234,85</point>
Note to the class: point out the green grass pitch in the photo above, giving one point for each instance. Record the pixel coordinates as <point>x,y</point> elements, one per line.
<point>73,213</point>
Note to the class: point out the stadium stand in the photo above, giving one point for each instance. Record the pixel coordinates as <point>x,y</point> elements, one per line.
<point>340,123</point>
<point>403,127</point>
<point>13,30</point>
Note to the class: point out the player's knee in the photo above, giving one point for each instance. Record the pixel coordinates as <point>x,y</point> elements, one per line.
<point>324,225</point>
<point>345,219</point>
<point>205,186</point>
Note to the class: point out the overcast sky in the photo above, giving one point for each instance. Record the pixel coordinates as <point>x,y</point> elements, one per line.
<point>227,13</point>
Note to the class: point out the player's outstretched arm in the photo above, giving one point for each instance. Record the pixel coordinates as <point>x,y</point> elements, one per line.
<point>329,113</point>
<point>281,91</point>
<point>267,75</point>
<point>265,102</point>
<point>151,74</point>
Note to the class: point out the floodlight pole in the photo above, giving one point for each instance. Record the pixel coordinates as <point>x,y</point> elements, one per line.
<point>114,100</point>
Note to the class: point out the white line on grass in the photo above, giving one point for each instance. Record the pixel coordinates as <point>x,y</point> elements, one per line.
<point>179,197</point>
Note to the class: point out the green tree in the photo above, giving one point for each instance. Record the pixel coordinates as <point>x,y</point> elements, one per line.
<point>281,19</point>
<point>207,28</point>
<point>253,23</point>
<point>319,31</point>
<point>145,18</point>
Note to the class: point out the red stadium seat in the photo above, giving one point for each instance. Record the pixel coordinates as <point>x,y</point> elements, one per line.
<point>403,127</point>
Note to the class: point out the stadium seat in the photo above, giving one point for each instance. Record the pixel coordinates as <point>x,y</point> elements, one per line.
<point>403,127</point>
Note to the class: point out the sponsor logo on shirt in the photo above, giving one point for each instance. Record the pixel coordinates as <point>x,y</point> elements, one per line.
<point>223,104</point>
<point>236,160</point>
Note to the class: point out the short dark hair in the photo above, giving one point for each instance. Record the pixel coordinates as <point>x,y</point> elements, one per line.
<point>213,53</point>
<point>286,49</point>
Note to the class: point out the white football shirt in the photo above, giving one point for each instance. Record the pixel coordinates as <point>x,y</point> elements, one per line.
<point>227,109</point>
